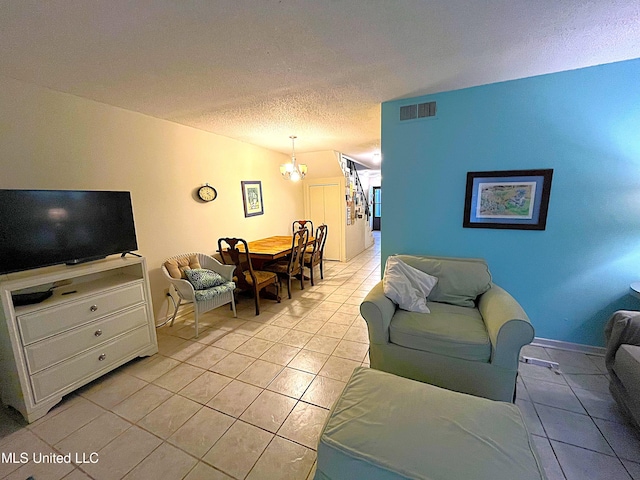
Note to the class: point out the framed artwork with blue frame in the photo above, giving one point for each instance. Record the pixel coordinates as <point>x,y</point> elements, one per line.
<point>514,199</point>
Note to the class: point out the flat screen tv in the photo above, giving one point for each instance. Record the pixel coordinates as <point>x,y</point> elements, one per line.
<point>39,228</point>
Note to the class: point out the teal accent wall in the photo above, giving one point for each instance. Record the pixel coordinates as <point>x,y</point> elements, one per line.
<point>585,125</point>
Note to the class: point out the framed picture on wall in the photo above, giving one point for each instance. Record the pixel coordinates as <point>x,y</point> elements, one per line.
<point>514,199</point>
<point>252,198</point>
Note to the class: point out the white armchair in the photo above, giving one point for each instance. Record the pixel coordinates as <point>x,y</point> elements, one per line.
<point>207,298</point>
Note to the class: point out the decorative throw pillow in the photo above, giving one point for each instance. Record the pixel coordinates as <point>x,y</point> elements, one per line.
<point>460,280</point>
<point>407,286</point>
<point>201,278</point>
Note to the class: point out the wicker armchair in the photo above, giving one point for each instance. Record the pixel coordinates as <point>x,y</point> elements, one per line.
<point>203,300</point>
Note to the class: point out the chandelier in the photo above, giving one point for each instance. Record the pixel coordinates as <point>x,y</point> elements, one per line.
<point>292,171</point>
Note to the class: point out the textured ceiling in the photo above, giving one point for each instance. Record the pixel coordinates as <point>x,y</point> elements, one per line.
<point>261,70</point>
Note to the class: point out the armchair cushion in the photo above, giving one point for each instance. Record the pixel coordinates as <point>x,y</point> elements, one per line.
<point>202,279</point>
<point>407,286</point>
<point>460,280</point>
<point>212,292</point>
<point>448,330</point>
<point>177,266</point>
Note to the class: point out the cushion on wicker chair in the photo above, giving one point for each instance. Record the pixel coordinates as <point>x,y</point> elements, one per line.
<point>177,266</point>
<point>202,279</point>
<point>209,293</point>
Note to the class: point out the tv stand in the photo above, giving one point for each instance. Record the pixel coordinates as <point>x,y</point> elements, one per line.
<point>124,254</point>
<point>98,318</point>
<point>30,298</point>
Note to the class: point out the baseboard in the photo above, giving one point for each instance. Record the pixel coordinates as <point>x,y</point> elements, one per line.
<point>572,347</point>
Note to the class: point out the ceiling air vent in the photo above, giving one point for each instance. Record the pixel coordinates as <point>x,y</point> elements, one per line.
<point>421,110</point>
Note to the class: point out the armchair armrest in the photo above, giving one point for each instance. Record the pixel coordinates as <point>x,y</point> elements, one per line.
<point>378,310</point>
<point>508,326</point>
<point>226,271</point>
<point>622,327</point>
<point>184,288</point>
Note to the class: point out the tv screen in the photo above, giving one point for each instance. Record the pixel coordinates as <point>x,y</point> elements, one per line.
<point>46,227</point>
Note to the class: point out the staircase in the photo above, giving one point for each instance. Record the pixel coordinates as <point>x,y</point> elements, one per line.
<point>353,172</point>
<point>350,170</point>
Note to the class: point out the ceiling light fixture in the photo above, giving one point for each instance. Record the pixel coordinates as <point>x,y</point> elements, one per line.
<point>290,170</point>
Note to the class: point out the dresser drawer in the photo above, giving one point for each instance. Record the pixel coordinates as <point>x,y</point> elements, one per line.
<point>66,376</point>
<point>50,321</point>
<point>52,350</point>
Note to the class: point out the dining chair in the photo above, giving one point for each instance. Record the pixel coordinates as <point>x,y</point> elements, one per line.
<point>315,257</point>
<point>298,224</point>
<point>191,276</point>
<point>292,265</point>
<point>245,276</point>
<point>308,224</point>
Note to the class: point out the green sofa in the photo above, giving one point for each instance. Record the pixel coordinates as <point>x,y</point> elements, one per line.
<point>622,358</point>
<point>469,342</point>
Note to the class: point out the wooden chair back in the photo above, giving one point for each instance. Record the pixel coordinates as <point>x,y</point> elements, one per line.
<point>298,246</point>
<point>242,260</point>
<point>315,257</point>
<point>298,224</point>
<point>232,255</point>
<point>318,247</point>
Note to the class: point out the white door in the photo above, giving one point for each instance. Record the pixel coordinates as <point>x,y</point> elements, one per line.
<point>325,207</point>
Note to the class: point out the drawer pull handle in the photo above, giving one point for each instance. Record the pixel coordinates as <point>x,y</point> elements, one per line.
<point>93,308</point>
<point>102,357</point>
<point>98,333</point>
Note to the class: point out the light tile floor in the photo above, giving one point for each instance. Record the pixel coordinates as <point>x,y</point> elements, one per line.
<point>248,398</point>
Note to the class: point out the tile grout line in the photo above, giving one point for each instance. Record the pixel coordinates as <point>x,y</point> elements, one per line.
<point>587,414</point>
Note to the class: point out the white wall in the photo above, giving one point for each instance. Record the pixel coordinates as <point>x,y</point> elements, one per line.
<point>369,178</point>
<point>51,140</point>
<point>357,237</point>
<point>324,164</point>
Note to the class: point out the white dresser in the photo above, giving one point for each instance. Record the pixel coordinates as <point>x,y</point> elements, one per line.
<point>98,318</point>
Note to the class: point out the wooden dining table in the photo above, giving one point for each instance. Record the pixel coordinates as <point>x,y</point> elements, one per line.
<point>271,248</point>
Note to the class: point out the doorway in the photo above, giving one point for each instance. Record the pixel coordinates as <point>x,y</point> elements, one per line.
<point>377,203</point>
<point>325,207</point>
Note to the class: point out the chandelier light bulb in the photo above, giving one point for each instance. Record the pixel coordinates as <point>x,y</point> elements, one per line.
<point>291,171</point>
